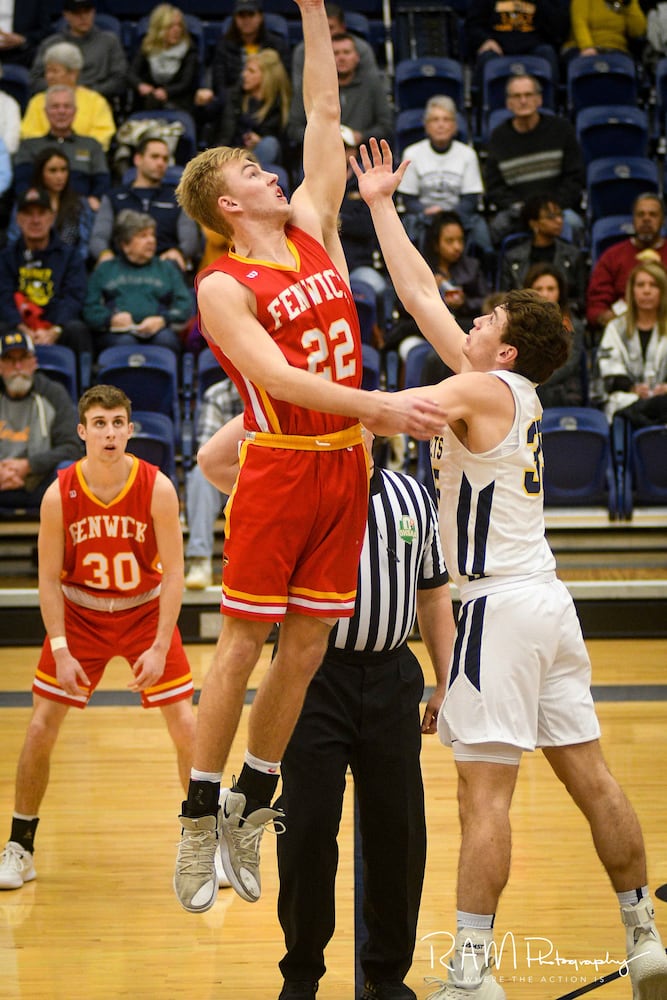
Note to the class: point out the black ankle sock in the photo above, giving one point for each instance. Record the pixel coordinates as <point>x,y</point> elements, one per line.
<point>258,788</point>
<point>23,832</point>
<point>202,800</point>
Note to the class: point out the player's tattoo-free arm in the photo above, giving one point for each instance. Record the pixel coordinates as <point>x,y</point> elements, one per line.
<point>51,553</point>
<point>149,667</point>
<point>437,629</point>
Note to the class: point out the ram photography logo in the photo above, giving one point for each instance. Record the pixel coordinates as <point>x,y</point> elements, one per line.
<point>521,959</point>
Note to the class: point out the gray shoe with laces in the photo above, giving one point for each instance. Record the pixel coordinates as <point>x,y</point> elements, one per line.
<point>195,878</point>
<point>240,838</point>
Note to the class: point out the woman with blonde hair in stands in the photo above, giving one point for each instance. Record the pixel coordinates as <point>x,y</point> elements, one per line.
<point>256,111</point>
<point>632,356</point>
<point>165,71</point>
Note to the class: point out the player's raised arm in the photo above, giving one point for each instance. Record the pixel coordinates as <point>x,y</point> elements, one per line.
<point>412,277</point>
<point>317,201</point>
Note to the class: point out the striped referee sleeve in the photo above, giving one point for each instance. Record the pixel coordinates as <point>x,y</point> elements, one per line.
<point>401,554</point>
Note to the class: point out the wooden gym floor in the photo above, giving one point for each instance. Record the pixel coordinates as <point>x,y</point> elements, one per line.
<point>101,921</point>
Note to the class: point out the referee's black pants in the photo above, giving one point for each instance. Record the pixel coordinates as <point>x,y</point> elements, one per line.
<point>362,710</point>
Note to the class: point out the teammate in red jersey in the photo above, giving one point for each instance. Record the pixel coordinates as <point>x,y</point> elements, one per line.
<point>110,583</point>
<point>277,311</point>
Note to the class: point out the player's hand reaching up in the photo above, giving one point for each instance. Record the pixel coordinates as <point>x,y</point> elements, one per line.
<point>375,175</point>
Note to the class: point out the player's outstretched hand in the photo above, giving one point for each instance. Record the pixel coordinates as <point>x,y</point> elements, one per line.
<point>375,175</point>
<point>405,413</point>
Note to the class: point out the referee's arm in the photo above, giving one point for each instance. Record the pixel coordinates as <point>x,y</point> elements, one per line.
<point>437,628</point>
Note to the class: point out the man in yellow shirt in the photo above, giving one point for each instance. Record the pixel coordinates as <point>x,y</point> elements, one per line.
<point>62,64</point>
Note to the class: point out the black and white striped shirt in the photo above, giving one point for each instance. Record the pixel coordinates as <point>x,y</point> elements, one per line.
<point>400,555</point>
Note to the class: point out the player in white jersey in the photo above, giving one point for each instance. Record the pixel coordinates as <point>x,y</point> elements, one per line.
<point>520,674</point>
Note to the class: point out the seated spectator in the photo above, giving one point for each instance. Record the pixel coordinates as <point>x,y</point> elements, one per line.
<point>94,117</point>
<point>24,25</point>
<point>605,297</point>
<point>73,215</point>
<point>256,111</point>
<point>42,281</point>
<point>10,120</point>
<point>136,298</point>
<point>632,356</point>
<point>443,175</point>
<point>337,26</point>
<point>104,61</point>
<point>542,217</point>
<point>221,402</point>
<point>531,154</point>
<point>178,237</point>
<point>603,26</point>
<point>512,28</point>
<point>656,36</point>
<point>89,172</point>
<point>164,72</point>
<point>365,108</point>
<point>38,424</point>
<point>459,278</point>
<point>246,35</point>
<point>565,387</point>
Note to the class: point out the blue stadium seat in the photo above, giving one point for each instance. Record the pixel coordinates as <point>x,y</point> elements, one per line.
<point>208,371</point>
<point>612,131</point>
<point>660,112</point>
<point>609,78</point>
<point>578,469</point>
<point>418,79</point>
<point>148,374</point>
<point>371,367</point>
<point>59,362</point>
<point>153,440</point>
<point>15,80</point>
<point>365,300</point>
<point>614,182</point>
<point>641,465</point>
<point>498,71</point>
<point>609,230</point>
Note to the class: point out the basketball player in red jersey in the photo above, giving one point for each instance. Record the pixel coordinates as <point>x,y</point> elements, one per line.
<point>278,313</point>
<point>110,583</point>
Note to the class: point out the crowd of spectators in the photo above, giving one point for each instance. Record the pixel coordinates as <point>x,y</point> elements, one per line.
<point>95,249</point>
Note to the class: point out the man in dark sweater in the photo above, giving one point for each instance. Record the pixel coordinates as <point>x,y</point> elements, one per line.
<point>42,281</point>
<point>37,425</point>
<point>178,237</point>
<point>530,154</point>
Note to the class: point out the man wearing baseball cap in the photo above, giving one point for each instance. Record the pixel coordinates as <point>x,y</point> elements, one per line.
<point>104,60</point>
<point>37,425</point>
<point>42,280</point>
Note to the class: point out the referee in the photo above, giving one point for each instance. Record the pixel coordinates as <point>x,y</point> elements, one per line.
<point>362,711</point>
